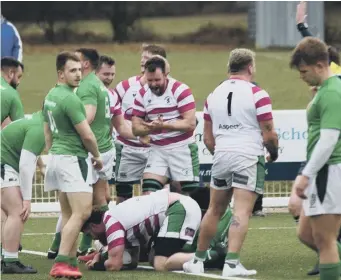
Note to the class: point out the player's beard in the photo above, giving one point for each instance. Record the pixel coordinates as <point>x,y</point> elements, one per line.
<point>158,90</point>
<point>13,84</point>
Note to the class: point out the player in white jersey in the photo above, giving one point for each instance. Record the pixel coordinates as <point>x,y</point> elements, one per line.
<point>237,123</point>
<point>172,217</point>
<point>164,109</point>
<point>131,156</point>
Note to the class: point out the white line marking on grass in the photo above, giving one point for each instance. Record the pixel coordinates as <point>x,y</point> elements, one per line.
<point>213,276</point>
<point>261,228</point>
<point>39,233</point>
<point>271,228</point>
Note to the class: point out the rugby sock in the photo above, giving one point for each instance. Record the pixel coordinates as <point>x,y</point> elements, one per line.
<point>200,255</point>
<point>330,271</point>
<point>10,257</point>
<point>59,224</point>
<point>232,258</point>
<point>86,242</point>
<point>73,261</point>
<point>56,242</point>
<point>62,259</point>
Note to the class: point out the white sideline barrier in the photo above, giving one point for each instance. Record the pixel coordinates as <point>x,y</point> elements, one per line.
<point>292,131</point>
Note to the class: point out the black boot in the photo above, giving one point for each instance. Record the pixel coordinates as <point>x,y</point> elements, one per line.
<point>17,268</point>
<point>315,270</point>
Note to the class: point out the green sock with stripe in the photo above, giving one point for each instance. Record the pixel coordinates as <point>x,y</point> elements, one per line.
<point>56,242</point>
<point>73,261</point>
<point>62,259</point>
<point>10,256</point>
<point>330,271</point>
<point>200,256</point>
<point>86,242</point>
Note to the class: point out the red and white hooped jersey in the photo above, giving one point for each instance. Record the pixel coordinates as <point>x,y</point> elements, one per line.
<point>177,99</point>
<point>136,220</point>
<point>235,109</point>
<point>127,91</point>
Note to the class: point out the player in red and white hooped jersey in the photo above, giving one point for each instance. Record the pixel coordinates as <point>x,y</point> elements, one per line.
<point>237,125</point>
<point>164,109</point>
<point>171,217</point>
<point>132,155</point>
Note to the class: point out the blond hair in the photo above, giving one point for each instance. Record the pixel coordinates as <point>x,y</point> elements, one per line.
<point>239,60</point>
<point>166,62</point>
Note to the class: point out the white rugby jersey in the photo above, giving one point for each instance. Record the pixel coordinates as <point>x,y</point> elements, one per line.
<point>136,220</point>
<point>115,108</point>
<point>235,109</point>
<point>127,90</point>
<point>177,99</point>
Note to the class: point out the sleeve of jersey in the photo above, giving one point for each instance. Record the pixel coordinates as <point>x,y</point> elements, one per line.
<point>17,110</point>
<point>184,98</point>
<point>330,111</point>
<point>122,88</point>
<point>115,232</point>
<point>115,105</point>
<point>74,109</point>
<point>87,94</point>
<point>207,116</point>
<point>34,140</point>
<point>138,108</point>
<point>263,104</point>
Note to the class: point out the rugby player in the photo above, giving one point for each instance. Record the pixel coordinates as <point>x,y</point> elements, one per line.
<point>22,141</point>
<point>218,245</point>
<point>237,123</point>
<point>131,156</point>
<point>11,74</point>
<point>318,184</point>
<point>295,203</point>
<point>173,217</point>
<point>69,139</point>
<point>165,109</point>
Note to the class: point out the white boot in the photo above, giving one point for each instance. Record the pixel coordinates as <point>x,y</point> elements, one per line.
<point>236,270</point>
<point>193,266</point>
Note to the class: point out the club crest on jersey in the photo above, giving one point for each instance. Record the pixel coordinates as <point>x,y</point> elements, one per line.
<point>189,232</point>
<point>167,99</point>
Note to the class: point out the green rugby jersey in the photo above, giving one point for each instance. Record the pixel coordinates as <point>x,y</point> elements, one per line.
<point>93,92</point>
<point>11,105</point>
<point>23,134</point>
<point>325,112</point>
<point>63,110</point>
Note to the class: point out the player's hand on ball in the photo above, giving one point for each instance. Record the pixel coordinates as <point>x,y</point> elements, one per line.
<point>301,184</point>
<point>97,163</point>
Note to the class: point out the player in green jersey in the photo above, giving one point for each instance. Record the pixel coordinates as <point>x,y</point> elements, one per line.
<point>69,139</point>
<point>96,99</point>
<point>11,74</point>
<point>319,182</point>
<point>22,141</point>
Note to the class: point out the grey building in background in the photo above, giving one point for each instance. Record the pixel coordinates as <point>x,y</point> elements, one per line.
<point>273,24</point>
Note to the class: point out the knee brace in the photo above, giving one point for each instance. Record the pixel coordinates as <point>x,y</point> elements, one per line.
<point>151,185</point>
<point>125,189</point>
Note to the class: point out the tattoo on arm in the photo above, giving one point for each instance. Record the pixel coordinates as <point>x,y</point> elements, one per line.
<point>272,148</point>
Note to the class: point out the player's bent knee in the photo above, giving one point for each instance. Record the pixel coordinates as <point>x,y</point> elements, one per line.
<point>125,189</point>
<point>151,185</point>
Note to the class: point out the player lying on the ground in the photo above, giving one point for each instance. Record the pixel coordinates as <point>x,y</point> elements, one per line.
<point>22,142</point>
<point>173,217</point>
<point>218,246</point>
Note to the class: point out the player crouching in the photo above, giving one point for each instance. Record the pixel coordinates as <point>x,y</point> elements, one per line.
<point>172,217</point>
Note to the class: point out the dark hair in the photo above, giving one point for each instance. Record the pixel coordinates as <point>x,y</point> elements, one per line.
<point>334,55</point>
<point>104,59</point>
<point>10,62</point>
<point>63,57</point>
<point>155,50</point>
<point>91,55</point>
<point>309,51</point>
<point>155,62</point>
